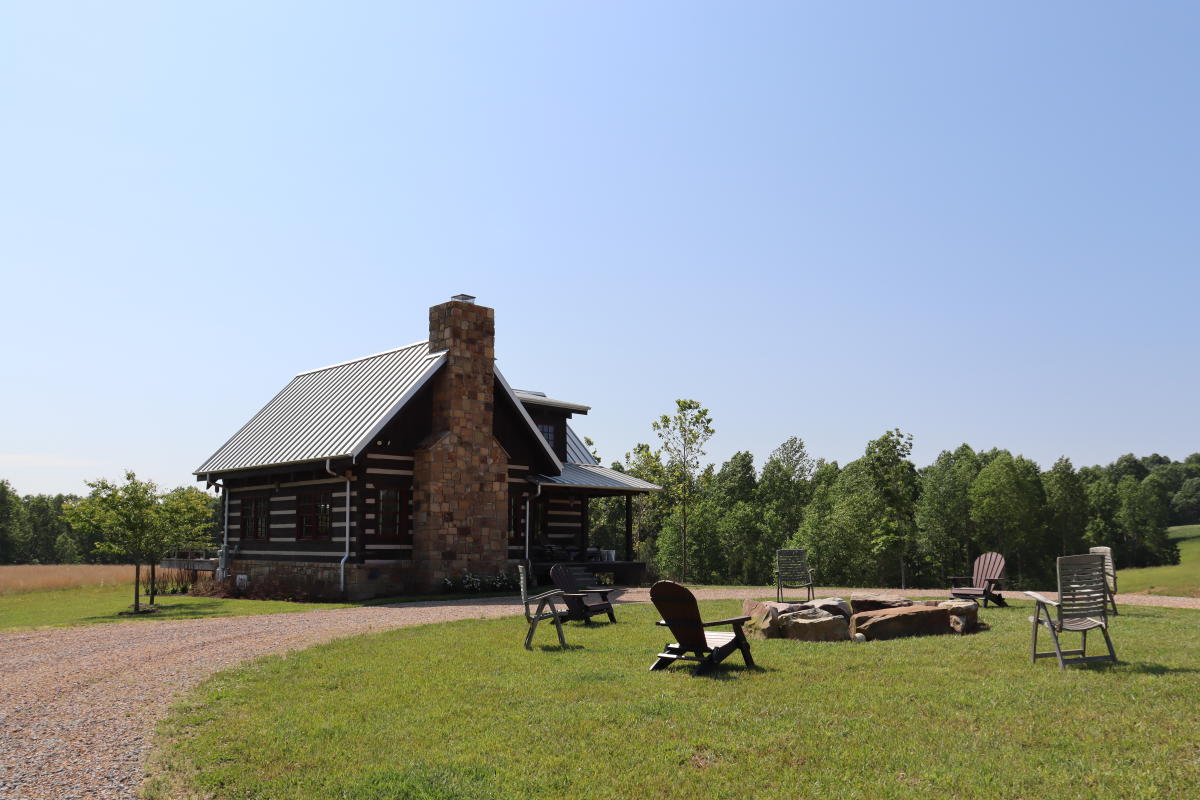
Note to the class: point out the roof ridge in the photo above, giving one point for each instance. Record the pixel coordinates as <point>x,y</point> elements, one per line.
<point>364,358</point>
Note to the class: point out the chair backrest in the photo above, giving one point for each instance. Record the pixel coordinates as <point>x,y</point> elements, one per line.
<point>1081,586</point>
<point>1110,569</point>
<point>792,566</point>
<point>564,578</point>
<point>679,610</point>
<point>524,589</point>
<point>987,566</point>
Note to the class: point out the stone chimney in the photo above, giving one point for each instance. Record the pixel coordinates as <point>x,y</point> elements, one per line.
<point>460,472</point>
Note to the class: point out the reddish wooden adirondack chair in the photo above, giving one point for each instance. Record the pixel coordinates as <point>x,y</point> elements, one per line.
<point>682,615</point>
<point>985,583</point>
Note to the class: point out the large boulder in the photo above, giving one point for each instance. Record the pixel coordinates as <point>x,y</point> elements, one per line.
<point>964,614</point>
<point>814,625</point>
<point>834,605</point>
<point>863,601</point>
<point>764,618</point>
<point>892,623</point>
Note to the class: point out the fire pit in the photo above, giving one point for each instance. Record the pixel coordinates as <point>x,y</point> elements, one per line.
<point>865,617</point>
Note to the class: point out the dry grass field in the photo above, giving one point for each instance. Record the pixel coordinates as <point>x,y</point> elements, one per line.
<point>22,578</point>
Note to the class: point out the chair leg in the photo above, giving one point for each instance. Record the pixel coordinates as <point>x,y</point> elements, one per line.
<point>562,640</point>
<point>1083,643</point>
<point>1108,641</point>
<point>664,661</point>
<point>1057,648</point>
<point>744,646</point>
<point>1034,634</point>
<point>529,636</point>
<point>611,616</point>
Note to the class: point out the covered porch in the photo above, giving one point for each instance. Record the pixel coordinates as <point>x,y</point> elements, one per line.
<point>557,521</point>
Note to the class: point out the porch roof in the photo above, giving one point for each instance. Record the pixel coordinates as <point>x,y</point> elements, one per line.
<point>594,476</point>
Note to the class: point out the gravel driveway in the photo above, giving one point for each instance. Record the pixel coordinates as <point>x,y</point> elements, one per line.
<point>78,705</point>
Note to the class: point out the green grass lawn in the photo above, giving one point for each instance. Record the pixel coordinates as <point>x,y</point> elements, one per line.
<point>1181,580</point>
<point>460,710</point>
<point>85,605</point>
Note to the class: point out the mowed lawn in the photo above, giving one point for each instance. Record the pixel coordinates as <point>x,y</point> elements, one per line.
<point>460,710</point>
<point>1181,580</point>
<point>85,605</point>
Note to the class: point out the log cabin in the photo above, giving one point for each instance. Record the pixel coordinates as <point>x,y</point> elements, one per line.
<point>390,473</point>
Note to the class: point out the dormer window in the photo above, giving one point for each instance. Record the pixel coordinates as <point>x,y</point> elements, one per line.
<point>547,432</point>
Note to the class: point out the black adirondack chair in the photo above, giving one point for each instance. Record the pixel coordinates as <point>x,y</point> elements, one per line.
<point>984,584</point>
<point>682,615</point>
<point>573,582</point>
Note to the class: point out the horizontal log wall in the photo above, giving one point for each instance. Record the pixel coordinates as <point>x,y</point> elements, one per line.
<point>564,522</point>
<point>383,470</point>
<point>379,469</point>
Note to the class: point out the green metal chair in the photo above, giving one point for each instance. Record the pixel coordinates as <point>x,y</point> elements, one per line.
<point>792,572</point>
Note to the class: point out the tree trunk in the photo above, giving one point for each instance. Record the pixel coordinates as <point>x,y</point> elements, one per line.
<point>683,545</point>
<point>153,582</point>
<point>137,585</point>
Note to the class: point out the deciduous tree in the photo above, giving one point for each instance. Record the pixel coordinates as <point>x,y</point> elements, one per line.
<point>137,521</point>
<point>683,436</point>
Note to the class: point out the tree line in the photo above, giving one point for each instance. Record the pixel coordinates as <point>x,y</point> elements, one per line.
<point>41,529</point>
<point>882,521</point>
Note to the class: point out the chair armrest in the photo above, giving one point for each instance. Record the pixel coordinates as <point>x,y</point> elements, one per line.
<point>730,621</point>
<point>596,590</point>
<point>536,597</point>
<point>1041,599</point>
<point>954,579</point>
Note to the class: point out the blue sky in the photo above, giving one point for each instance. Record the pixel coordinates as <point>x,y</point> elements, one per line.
<point>977,223</point>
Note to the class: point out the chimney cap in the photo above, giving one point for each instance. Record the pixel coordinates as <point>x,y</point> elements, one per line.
<point>464,298</point>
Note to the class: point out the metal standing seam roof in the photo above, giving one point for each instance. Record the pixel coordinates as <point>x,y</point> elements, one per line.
<point>329,412</point>
<point>593,476</point>
<point>577,451</point>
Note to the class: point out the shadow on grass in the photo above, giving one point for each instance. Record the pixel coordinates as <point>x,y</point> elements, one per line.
<point>555,648</point>
<point>729,672</point>
<point>1145,668</point>
<point>168,611</point>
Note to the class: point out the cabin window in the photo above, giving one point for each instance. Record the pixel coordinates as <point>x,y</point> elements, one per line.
<point>314,514</point>
<point>256,517</point>
<point>547,433</point>
<point>392,522</point>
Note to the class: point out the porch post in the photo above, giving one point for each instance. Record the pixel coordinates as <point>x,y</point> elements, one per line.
<point>629,526</point>
<point>583,522</point>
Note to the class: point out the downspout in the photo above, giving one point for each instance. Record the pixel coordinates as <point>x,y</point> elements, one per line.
<point>223,553</point>
<point>529,524</point>
<point>346,557</point>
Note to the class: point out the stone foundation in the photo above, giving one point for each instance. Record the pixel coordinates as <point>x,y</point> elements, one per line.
<point>303,580</point>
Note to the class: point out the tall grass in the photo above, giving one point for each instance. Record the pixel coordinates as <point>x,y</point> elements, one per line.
<point>44,577</point>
